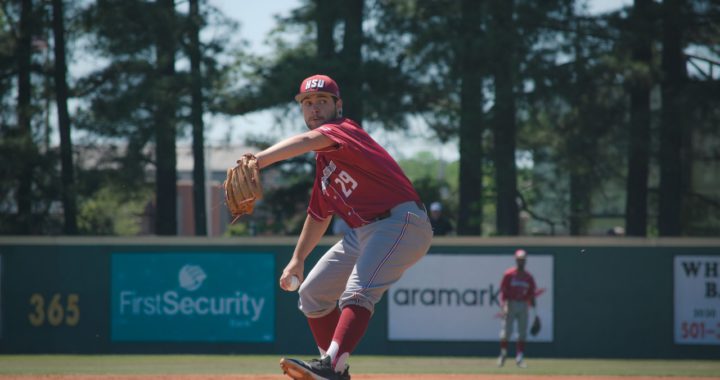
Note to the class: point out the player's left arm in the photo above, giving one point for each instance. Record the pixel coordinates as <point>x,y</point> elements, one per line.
<point>533,289</point>
<point>293,146</point>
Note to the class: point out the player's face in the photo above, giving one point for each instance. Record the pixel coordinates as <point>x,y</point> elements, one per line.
<point>319,109</point>
<point>520,263</point>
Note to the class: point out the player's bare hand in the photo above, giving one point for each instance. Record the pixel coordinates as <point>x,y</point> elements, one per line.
<point>294,268</point>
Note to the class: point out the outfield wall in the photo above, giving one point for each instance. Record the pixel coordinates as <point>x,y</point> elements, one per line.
<point>621,298</point>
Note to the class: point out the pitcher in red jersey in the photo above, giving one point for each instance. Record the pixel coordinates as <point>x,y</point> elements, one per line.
<point>357,180</point>
<point>517,295</point>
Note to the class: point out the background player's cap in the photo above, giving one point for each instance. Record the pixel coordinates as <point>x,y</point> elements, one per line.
<point>520,254</point>
<point>317,84</point>
<point>435,206</point>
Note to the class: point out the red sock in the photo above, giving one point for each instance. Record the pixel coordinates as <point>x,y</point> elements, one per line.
<point>350,329</point>
<point>323,328</point>
<point>520,347</point>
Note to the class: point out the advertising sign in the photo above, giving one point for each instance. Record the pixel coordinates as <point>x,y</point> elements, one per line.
<point>193,297</point>
<point>697,300</point>
<point>447,297</point>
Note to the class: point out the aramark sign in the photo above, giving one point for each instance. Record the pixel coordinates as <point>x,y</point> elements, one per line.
<point>448,297</point>
<point>193,297</point>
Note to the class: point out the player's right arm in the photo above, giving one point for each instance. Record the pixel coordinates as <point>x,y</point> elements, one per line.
<point>313,230</point>
<point>504,291</point>
<point>293,146</point>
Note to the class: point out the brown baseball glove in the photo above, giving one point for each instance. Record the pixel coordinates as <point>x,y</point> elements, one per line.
<point>535,328</point>
<point>242,186</point>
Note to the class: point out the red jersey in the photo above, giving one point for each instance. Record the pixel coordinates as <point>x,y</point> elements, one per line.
<point>517,286</point>
<point>356,178</point>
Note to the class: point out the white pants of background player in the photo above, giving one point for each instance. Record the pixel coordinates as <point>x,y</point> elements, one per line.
<point>517,311</point>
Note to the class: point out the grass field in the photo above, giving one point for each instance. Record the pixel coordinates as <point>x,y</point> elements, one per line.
<point>249,365</point>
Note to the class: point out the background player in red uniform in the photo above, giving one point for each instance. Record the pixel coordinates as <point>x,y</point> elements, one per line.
<point>517,295</point>
<point>357,180</point>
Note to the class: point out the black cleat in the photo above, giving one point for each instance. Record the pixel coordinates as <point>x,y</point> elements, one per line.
<point>315,369</point>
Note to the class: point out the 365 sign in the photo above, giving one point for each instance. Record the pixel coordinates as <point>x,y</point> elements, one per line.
<point>697,300</point>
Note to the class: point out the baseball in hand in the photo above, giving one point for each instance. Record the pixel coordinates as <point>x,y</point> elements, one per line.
<point>294,284</point>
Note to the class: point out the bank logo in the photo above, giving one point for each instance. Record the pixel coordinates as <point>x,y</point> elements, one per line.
<point>193,297</point>
<point>191,277</point>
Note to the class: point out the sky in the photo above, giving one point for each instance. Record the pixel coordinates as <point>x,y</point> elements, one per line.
<point>257,18</point>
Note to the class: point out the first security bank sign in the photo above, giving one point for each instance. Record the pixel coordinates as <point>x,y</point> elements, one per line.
<point>193,297</point>
<point>448,297</point>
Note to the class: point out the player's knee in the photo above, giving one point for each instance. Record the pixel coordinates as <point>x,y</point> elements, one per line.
<point>314,303</point>
<point>359,301</point>
<point>306,294</point>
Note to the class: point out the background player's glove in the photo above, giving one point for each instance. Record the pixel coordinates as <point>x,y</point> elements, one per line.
<point>242,186</point>
<point>535,328</point>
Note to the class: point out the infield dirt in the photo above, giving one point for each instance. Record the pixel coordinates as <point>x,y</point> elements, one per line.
<point>355,377</point>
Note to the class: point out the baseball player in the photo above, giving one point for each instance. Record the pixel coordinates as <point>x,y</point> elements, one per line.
<point>357,180</point>
<point>517,290</point>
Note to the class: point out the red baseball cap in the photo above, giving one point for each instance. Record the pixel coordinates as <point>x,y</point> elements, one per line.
<point>520,254</point>
<point>317,84</point>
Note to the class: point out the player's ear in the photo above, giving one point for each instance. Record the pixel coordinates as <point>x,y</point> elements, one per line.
<point>339,107</point>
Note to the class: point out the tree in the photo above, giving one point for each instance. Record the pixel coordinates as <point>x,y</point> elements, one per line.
<point>352,76</point>
<point>196,116</point>
<point>572,116</point>
<point>165,128</point>
<point>325,19</point>
<point>24,112</point>
<point>640,84</point>
<point>61,95</point>
<point>504,68</point>
<point>139,97</point>
<point>673,124</point>
<point>472,71</point>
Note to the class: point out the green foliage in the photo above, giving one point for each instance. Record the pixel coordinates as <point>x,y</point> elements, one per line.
<point>237,229</point>
<point>425,164</point>
<point>435,180</point>
<point>572,82</point>
<point>113,210</point>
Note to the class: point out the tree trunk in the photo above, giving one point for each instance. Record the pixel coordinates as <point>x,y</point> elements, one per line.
<point>325,21</point>
<point>673,122</point>
<point>166,172</point>
<point>197,121</point>
<point>581,147</point>
<point>24,61</point>
<point>504,125</point>
<point>639,147</point>
<point>352,59</point>
<point>61,94</point>
<point>470,215</point>
<point>579,203</point>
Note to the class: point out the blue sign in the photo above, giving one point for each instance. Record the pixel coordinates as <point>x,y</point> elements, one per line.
<point>193,297</point>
